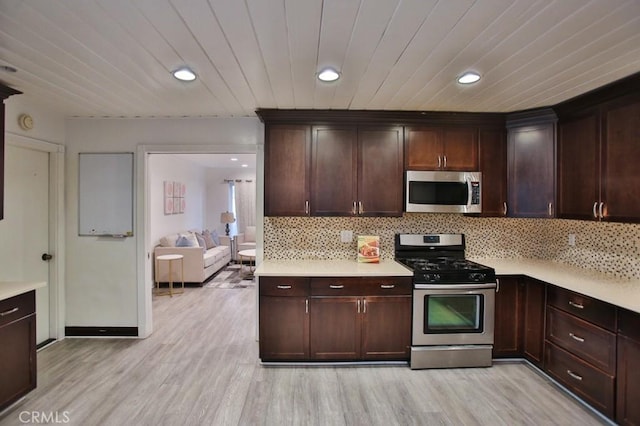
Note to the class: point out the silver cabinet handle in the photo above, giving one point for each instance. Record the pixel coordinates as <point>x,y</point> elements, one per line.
<point>306,207</point>
<point>595,211</point>
<point>358,305</point>
<point>576,338</point>
<point>445,161</point>
<point>306,306</point>
<point>504,208</point>
<point>353,208</point>
<point>364,306</point>
<point>574,375</point>
<point>439,162</point>
<point>9,312</point>
<point>336,286</point>
<point>284,287</point>
<point>600,210</point>
<point>360,209</point>
<point>576,305</point>
<point>387,286</point>
<point>550,208</point>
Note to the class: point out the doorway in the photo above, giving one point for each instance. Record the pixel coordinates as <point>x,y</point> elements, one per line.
<point>145,207</point>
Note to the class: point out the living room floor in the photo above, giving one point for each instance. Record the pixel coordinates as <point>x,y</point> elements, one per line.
<point>200,367</point>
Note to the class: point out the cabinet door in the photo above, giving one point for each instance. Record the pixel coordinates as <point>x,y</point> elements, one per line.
<point>621,156</point>
<point>493,165</point>
<point>531,169</point>
<point>334,171</point>
<point>508,319</point>
<point>578,167</point>
<point>460,149</point>
<point>380,179</point>
<point>533,317</point>
<point>335,324</point>
<point>287,170</point>
<point>284,328</point>
<point>17,360</point>
<point>386,327</point>
<point>628,382</point>
<point>423,148</point>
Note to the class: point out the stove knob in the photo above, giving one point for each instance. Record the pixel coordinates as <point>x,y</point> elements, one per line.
<point>431,278</point>
<point>477,276</point>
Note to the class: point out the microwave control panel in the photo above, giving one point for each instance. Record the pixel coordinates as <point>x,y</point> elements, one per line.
<point>475,192</point>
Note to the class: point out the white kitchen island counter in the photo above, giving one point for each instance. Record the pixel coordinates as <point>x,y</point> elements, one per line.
<point>331,268</point>
<point>617,291</point>
<point>13,288</point>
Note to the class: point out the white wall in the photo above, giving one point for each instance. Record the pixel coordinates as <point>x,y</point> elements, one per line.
<point>48,125</point>
<point>167,167</point>
<point>101,272</point>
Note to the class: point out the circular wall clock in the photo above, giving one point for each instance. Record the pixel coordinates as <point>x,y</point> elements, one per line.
<point>25,121</point>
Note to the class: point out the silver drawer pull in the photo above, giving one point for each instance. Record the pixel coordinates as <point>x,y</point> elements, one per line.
<point>576,305</point>
<point>574,375</point>
<point>9,312</point>
<point>284,287</point>
<point>336,286</point>
<point>387,286</point>
<point>577,338</point>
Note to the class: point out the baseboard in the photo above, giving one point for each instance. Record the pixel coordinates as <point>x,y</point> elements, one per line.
<point>101,331</point>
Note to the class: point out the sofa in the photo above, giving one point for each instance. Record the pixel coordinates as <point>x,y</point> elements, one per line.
<point>200,262</point>
<point>244,241</point>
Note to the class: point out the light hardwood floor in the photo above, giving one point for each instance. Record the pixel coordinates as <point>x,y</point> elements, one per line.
<point>200,367</point>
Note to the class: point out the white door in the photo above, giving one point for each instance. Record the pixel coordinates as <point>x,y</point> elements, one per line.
<point>24,232</point>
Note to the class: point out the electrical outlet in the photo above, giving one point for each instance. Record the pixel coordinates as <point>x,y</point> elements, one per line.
<point>346,236</point>
<point>572,239</point>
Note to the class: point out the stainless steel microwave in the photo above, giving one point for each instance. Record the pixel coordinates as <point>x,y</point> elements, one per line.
<point>443,192</point>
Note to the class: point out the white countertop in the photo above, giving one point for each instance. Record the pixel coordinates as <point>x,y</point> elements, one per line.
<point>621,292</point>
<point>13,288</point>
<point>331,268</point>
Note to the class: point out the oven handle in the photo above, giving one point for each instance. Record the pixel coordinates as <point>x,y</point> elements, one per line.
<point>453,286</point>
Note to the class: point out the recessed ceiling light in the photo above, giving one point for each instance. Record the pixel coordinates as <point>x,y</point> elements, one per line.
<point>469,77</point>
<point>234,159</point>
<point>328,74</point>
<point>184,74</point>
<point>245,165</point>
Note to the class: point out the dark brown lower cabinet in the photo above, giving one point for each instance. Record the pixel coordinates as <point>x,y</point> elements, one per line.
<point>18,343</point>
<point>335,319</point>
<point>519,319</point>
<point>628,369</point>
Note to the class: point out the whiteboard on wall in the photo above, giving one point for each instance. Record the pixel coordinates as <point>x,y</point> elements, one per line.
<point>105,194</point>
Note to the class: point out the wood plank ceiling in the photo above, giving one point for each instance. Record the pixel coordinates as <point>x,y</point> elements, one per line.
<point>112,58</point>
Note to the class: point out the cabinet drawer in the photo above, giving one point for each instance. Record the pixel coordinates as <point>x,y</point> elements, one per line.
<point>284,286</point>
<point>17,307</point>
<point>585,307</point>
<point>591,343</point>
<point>337,286</point>
<point>361,286</point>
<point>589,383</point>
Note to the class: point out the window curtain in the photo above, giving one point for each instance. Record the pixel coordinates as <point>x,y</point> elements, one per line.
<point>245,204</point>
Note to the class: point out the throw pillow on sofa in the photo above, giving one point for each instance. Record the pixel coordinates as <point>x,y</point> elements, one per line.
<point>200,239</point>
<point>187,240</point>
<point>208,239</point>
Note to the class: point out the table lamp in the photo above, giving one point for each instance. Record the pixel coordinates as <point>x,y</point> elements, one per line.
<point>227,218</point>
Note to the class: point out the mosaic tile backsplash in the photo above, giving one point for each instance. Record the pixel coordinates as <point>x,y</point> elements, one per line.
<point>611,248</point>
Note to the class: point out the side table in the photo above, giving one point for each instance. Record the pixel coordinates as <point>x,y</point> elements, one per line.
<point>170,258</point>
<point>250,254</point>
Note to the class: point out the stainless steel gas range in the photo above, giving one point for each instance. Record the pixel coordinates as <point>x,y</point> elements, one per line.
<point>453,302</point>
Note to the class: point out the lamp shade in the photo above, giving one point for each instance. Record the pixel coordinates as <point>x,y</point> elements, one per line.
<point>227,217</point>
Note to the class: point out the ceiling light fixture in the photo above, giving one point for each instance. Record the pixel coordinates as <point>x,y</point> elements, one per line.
<point>184,74</point>
<point>469,77</point>
<point>328,75</point>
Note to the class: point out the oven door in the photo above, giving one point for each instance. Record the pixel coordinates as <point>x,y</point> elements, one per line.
<point>453,314</point>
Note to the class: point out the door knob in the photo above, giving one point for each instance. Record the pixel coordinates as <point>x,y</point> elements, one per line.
<point>46,257</point>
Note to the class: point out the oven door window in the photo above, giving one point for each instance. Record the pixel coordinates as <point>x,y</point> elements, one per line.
<point>439,193</point>
<point>453,313</point>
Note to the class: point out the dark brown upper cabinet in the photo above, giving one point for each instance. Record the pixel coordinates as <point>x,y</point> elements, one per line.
<point>531,166</point>
<point>287,170</point>
<point>598,157</point>
<point>356,171</point>
<point>493,165</point>
<point>441,148</point>
<point>5,92</point>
